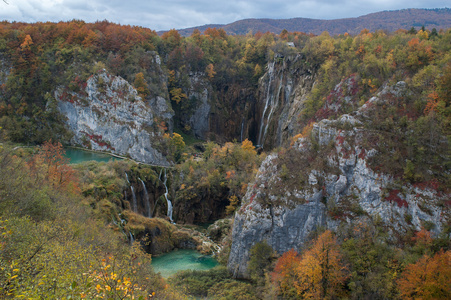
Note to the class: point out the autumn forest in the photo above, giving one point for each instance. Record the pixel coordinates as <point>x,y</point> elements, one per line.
<point>91,230</point>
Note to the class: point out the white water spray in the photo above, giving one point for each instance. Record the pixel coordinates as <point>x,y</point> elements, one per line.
<point>169,203</point>
<point>146,199</point>
<point>134,202</point>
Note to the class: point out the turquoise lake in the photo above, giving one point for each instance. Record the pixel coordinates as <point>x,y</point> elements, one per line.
<point>179,260</point>
<point>77,156</point>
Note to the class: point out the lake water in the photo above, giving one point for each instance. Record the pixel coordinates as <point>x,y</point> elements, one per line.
<point>77,156</point>
<point>185,259</point>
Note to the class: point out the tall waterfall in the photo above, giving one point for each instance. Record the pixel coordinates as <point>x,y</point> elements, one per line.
<point>268,99</point>
<point>271,104</point>
<point>242,129</point>
<point>169,203</point>
<point>146,199</point>
<point>134,203</point>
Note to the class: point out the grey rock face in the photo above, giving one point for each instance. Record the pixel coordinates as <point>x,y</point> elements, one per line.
<point>353,192</point>
<point>110,116</point>
<point>200,119</point>
<point>284,224</point>
<point>283,230</point>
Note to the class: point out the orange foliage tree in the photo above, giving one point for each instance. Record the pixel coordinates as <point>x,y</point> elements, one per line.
<point>286,273</point>
<point>321,271</point>
<point>428,278</point>
<point>51,163</point>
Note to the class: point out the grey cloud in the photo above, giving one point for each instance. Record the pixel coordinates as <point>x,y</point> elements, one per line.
<point>163,15</point>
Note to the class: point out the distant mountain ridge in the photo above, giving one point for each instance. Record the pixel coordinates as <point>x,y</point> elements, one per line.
<point>439,18</point>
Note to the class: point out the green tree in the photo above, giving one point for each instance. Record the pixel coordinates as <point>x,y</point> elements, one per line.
<point>261,256</point>
<point>177,146</point>
<point>373,264</point>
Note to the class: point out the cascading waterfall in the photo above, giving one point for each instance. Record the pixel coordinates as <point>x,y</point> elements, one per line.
<point>169,203</point>
<point>146,199</point>
<point>134,203</point>
<point>268,99</point>
<point>242,128</point>
<point>131,238</point>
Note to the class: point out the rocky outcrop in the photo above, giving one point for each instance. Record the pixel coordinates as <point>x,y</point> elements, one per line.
<point>107,114</point>
<point>297,192</point>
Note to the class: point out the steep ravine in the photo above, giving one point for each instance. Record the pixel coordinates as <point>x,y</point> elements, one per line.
<point>266,114</point>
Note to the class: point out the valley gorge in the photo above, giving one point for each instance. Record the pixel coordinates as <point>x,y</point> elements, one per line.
<point>237,145</point>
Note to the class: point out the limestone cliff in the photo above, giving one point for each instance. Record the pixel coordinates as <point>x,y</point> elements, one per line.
<point>107,114</point>
<point>325,181</point>
<point>197,116</point>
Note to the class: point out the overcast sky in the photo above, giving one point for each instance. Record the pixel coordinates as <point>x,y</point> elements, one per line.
<point>178,14</point>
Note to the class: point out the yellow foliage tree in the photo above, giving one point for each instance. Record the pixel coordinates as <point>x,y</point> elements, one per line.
<point>247,145</point>
<point>210,71</point>
<point>258,71</point>
<point>141,85</point>
<point>234,202</point>
<point>423,35</point>
<point>177,95</point>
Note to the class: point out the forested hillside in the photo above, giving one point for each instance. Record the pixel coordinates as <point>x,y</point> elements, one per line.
<point>296,150</point>
<point>388,21</point>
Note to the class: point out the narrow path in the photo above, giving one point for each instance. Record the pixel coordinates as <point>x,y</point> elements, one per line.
<point>122,157</point>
